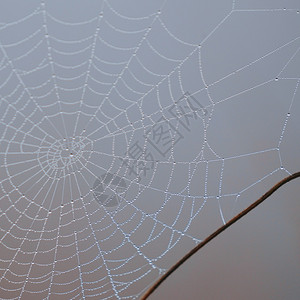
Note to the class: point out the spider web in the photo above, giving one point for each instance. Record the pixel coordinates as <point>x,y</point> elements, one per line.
<point>123,145</point>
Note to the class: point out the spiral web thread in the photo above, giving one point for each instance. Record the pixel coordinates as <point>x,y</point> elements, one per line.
<point>69,115</point>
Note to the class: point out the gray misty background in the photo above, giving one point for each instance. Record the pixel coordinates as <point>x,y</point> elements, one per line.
<point>94,203</point>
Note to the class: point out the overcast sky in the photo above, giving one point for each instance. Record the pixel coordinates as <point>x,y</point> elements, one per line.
<point>131,130</point>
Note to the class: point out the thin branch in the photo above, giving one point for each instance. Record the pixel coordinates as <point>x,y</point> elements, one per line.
<point>217,232</point>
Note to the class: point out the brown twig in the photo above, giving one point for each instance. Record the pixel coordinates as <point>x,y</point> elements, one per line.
<point>217,232</point>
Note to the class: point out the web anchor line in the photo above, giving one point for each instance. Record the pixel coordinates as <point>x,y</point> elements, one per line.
<point>217,232</point>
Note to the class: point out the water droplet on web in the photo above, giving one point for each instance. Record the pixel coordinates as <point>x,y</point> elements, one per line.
<point>64,161</point>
